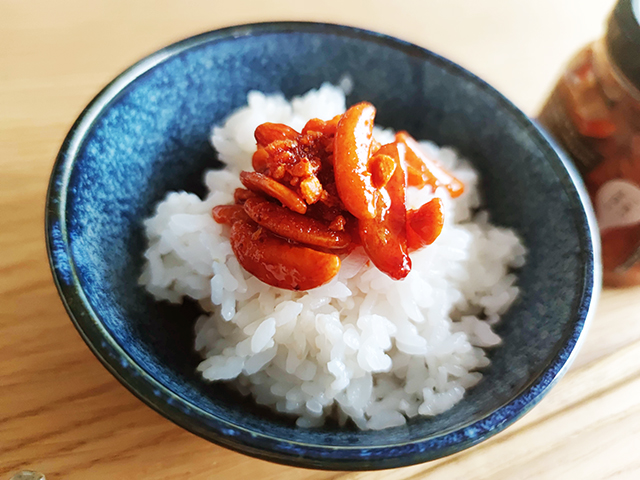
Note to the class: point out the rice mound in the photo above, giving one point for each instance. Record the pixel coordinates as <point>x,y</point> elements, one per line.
<point>362,347</point>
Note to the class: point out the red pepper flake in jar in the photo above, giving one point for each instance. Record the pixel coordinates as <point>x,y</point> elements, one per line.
<point>320,193</point>
<point>594,113</point>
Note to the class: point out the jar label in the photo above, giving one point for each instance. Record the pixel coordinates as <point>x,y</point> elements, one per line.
<point>618,204</point>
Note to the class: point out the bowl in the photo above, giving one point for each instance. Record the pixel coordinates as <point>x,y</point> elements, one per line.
<point>147,133</point>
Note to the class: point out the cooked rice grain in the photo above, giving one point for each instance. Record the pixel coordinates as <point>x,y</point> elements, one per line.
<point>362,347</point>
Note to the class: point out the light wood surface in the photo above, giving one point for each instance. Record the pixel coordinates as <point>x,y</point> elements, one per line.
<point>63,414</point>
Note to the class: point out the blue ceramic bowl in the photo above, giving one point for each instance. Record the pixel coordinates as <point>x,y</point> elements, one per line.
<point>147,133</point>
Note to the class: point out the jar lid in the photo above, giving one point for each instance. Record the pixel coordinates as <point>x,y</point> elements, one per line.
<point>623,39</point>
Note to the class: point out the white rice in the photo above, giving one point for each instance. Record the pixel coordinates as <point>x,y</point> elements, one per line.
<point>362,347</point>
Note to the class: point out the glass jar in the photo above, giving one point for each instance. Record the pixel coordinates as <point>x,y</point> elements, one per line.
<point>594,114</point>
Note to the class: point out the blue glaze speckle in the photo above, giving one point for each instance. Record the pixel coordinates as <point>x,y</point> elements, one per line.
<point>147,133</point>
<point>58,248</point>
<point>471,432</point>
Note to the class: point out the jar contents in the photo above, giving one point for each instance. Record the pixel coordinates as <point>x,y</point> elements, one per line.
<point>594,113</point>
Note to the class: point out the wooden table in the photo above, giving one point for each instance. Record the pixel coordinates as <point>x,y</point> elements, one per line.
<point>63,414</point>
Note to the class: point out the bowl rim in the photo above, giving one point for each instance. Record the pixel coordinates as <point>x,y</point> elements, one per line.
<point>238,438</point>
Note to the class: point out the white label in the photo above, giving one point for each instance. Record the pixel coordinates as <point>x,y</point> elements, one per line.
<point>618,204</point>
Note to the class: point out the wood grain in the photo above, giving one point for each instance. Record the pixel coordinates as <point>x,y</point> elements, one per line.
<point>62,413</point>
